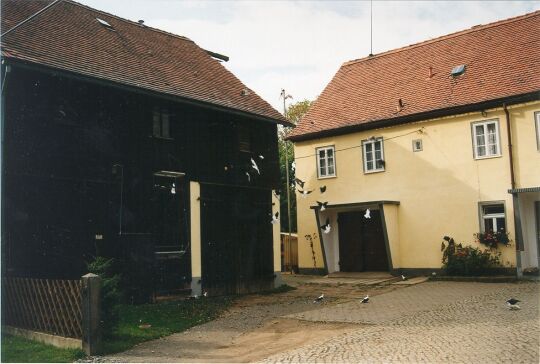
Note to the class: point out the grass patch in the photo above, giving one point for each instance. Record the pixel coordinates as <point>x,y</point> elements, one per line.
<point>16,349</point>
<point>165,318</point>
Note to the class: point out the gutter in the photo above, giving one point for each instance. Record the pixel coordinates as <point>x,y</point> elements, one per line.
<point>432,114</point>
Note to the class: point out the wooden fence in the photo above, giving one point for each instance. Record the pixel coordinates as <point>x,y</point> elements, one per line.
<point>44,305</point>
<point>289,252</point>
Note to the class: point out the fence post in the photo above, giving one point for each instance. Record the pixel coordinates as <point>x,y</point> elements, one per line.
<point>91,325</point>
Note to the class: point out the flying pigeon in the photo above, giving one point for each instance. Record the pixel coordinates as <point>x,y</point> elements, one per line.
<point>326,227</point>
<point>323,189</point>
<point>254,166</point>
<point>277,193</point>
<point>403,278</point>
<point>275,218</point>
<point>322,205</point>
<point>319,299</point>
<point>173,189</point>
<point>261,156</point>
<point>367,215</point>
<point>512,304</point>
<point>293,166</point>
<point>299,182</point>
<point>248,176</point>
<point>365,299</point>
<point>304,193</point>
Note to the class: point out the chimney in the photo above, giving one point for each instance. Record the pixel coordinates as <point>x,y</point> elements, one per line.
<point>141,22</point>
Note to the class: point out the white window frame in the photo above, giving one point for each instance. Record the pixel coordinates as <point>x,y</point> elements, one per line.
<point>493,217</point>
<point>326,165</point>
<point>488,153</point>
<point>372,142</point>
<point>537,124</point>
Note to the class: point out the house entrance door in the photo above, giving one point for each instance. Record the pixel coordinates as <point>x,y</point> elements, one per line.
<point>350,243</point>
<point>361,242</point>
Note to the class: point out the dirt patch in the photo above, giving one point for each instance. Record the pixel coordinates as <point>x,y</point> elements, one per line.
<point>255,328</point>
<point>273,337</point>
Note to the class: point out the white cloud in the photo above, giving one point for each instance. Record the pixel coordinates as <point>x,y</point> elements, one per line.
<point>300,45</point>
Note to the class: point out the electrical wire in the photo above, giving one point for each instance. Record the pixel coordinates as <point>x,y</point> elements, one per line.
<point>421,130</point>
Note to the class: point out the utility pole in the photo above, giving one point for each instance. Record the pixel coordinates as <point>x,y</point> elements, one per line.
<point>286,144</point>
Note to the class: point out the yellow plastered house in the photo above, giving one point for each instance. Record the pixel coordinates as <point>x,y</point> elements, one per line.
<point>440,138</point>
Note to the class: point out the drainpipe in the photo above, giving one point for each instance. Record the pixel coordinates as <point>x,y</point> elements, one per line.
<point>510,155</point>
<point>515,197</point>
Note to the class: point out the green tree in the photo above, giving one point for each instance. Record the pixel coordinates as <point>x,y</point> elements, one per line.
<point>293,113</point>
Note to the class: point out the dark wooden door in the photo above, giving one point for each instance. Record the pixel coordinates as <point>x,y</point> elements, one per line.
<point>350,242</point>
<point>361,242</point>
<point>374,247</point>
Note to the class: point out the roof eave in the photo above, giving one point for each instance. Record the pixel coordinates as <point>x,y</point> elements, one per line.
<point>431,114</point>
<point>136,89</point>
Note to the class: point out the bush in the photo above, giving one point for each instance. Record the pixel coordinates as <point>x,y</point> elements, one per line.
<point>467,261</point>
<point>110,292</point>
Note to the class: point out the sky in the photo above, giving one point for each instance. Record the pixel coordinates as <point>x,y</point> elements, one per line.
<point>300,45</point>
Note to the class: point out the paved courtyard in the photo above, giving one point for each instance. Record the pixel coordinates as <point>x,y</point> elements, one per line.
<point>436,322</point>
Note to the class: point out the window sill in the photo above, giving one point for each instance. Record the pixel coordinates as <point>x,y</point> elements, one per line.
<point>326,177</point>
<point>488,157</point>
<point>374,171</point>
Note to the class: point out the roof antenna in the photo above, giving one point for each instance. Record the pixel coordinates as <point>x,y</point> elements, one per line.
<point>371,29</point>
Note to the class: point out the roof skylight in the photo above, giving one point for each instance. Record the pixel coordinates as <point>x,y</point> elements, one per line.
<point>104,23</point>
<point>458,70</point>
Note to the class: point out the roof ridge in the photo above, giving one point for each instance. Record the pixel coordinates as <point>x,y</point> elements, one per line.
<point>54,2</point>
<point>129,21</point>
<point>474,28</point>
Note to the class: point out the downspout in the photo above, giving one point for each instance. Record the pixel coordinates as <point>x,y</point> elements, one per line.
<point>515,197</point>
<point>510,154</point>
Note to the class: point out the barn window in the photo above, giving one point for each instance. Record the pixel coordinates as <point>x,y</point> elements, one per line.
<point>161,123</point>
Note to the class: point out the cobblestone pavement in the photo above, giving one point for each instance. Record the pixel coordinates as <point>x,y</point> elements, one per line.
<point>435,322</point>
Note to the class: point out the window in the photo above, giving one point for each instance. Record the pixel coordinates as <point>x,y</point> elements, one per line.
<point>161,123</point>
<point>373,155</point>
<point>326,165</point>
<point>244,139</point>
<point>486,139</point>
<point>537,121</point>
<point>492,217</point>
<point>417,145</point>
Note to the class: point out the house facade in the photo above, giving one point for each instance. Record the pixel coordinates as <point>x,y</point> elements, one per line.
<point>124,141</point>
<point>440,138</point>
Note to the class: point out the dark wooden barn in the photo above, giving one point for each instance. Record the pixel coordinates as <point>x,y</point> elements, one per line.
<point>125,141</point>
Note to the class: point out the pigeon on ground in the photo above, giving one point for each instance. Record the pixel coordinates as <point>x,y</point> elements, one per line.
<point>512,304</point>
<point>299,182</point>
<point>403,278</point>
<point>365,299</point>
<point>367,215</point>
<point>319,299</point>
<point>304,193</point>
<point>275,218</point>
<point>255,166</point>
<point>322,205</point>
<point>323,189</point>
<point>326,227</point>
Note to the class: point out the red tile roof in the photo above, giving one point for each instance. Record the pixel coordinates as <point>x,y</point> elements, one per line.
<point>502,60</point>
<point>68,36</point>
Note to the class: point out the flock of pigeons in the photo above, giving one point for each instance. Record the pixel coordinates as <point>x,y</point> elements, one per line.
<point>326,227</point>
